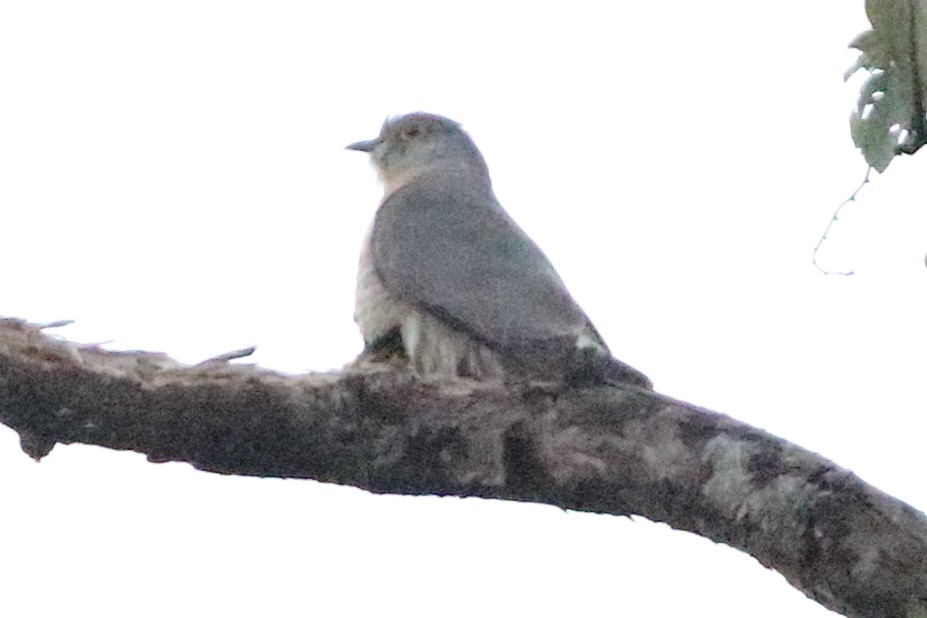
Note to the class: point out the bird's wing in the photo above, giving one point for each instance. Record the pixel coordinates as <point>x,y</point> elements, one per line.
<point>445,245</point>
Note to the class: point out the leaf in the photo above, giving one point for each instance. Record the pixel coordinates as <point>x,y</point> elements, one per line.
<point>892,101</point>
<point>873,136</point>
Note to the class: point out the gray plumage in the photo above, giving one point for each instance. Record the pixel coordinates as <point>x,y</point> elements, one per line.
<point>446,268</point>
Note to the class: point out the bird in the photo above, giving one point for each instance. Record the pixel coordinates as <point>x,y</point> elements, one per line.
<point>448,278</point>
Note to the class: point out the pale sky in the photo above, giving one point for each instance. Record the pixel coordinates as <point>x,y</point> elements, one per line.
<point>173,178</point>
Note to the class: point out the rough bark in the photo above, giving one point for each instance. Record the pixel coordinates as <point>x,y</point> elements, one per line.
<point>612,450</point>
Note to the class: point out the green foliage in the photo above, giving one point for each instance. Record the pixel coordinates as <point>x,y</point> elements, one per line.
<point>889,115</point>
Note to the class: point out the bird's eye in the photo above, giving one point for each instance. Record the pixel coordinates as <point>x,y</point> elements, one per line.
<point>412,132</point>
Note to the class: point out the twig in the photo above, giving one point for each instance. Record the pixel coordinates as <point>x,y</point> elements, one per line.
<point>55,324</point>
<point>833,219</point>
<point>227,356</point>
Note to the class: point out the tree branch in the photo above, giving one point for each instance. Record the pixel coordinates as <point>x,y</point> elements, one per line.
<point>611,450</point>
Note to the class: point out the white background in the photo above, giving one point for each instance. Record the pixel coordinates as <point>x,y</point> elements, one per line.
<point>172,177</point>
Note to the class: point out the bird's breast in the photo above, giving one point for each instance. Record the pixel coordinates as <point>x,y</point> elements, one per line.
<point>376,311</point>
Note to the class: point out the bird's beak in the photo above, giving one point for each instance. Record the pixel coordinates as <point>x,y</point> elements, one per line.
<point>365,146</point>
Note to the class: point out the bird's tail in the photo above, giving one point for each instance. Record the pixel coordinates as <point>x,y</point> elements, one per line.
<point>593,365</point>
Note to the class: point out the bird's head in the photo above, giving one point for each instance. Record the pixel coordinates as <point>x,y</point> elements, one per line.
<point>413,144</point>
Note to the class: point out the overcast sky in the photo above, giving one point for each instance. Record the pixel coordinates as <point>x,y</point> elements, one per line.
<point>173,178</point>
